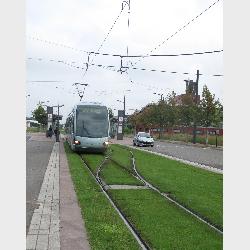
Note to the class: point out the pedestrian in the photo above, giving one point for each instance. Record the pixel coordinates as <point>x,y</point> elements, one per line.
<point>50,131</point>
<point>55,131</point>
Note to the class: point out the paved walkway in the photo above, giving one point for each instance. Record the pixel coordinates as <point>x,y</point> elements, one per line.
<point>56,223</point>
<point>44,227</point>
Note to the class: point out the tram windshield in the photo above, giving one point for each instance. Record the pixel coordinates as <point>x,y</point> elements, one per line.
<point>92,121</point>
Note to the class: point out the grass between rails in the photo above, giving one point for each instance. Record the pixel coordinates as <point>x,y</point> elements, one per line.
<point>197,189</point>
<point>93,160</point>
<point>105,228</point>
<point>113,174</point>
<point>121,156</point>
<point>163,225</point>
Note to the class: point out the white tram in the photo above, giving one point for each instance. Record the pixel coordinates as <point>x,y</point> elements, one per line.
<point>87,127</point>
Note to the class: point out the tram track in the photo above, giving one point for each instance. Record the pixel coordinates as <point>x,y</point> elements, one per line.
<point>136,174</point>
<point>102,184</point>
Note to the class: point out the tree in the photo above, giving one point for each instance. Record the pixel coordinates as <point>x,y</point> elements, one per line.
<point>209,109</point>
<point>187,111</point>
<point>110,112</point>
<point>40,115</point>
<point>171,110</point>
<point>219,115</point>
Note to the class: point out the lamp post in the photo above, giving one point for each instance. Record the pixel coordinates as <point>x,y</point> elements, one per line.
<point>161,118</point>
<point>57,134</point>
<point>159,95</point>
<point>124,102</point>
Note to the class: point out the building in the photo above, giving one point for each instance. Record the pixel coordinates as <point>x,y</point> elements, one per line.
<point>30,122</point>
<point>191,89</point>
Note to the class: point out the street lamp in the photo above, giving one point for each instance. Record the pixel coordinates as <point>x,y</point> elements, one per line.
<point>159,95</point>
<point>57,134</point>
<point>124,101</point>
<point>42,103</point>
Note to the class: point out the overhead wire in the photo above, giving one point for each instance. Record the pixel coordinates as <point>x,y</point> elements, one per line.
<point>106,37</point>
<point>180,29</point>
<point>115,69</point>
<point>150,55</point>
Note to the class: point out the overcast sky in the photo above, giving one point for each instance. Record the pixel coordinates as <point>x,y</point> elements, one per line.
<point>64,31</point>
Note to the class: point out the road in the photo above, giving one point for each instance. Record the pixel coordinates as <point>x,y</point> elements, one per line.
<point>203,155</point>
<point>38,150</point>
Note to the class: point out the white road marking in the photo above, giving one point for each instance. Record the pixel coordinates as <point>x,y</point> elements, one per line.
<point>44,227</point>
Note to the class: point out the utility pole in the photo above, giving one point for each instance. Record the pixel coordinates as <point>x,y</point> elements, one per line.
<point>196,103</point>
<point>124,105</point>
<point>57,134</point>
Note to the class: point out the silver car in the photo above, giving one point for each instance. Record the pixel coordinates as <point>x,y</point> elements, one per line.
<point>143,139</point>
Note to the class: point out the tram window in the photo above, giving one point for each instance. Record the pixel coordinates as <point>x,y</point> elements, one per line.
<point>92,124</point>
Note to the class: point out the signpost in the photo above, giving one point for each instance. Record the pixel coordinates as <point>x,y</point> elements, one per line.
<point>49,116</point>
<point>120,124</point>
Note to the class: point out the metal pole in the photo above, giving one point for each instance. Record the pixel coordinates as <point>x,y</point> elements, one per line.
<point>124,101</point>
<point>196,103</point>
<point>57,134</point>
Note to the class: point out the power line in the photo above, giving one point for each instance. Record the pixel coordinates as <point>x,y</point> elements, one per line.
<point>106,37</point>
<point>175,55</point>
<point>113,67</point>
<point>182,28</point>
<point>148,55</point>
<point>45,81</point>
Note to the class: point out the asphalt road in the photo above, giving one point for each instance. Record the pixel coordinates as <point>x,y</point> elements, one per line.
<point>204,155</point>
<point>38,150</point>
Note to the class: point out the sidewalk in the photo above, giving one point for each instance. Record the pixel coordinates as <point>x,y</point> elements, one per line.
<point>57,223</point>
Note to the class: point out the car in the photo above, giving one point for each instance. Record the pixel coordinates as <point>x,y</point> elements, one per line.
<point>143,139</point>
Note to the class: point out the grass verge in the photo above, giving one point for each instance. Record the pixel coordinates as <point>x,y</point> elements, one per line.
<point>113,174</point>
<point>105,228</point>
<point>163,225</point>
<point>197,189</point>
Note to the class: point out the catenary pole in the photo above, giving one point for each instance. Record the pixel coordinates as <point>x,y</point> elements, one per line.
<point>57,134</point>
<point>196,103</point>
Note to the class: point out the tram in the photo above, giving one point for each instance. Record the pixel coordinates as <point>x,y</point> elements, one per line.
<point>87,127</point>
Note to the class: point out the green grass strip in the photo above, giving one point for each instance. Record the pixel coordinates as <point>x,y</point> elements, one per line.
<point>93,161</point>
<point>113,174</point>
<point>162,224</point>
<point>105,228</point>
<point>121,156</point>
<point>195,188</point>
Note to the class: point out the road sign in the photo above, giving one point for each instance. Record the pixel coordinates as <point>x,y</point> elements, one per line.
<point>120,125</point>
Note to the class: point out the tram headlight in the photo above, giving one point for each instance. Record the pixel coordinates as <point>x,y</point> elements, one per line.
<point>76,142</point>
<point>106,143</point>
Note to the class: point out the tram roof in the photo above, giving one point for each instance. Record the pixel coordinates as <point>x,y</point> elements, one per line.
<point>89,103</point>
